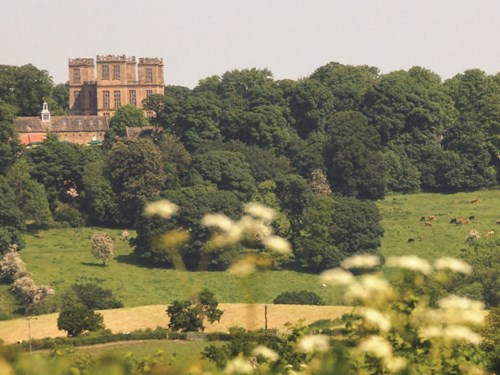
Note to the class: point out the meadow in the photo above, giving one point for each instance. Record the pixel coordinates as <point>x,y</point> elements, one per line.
<point>61,257</point>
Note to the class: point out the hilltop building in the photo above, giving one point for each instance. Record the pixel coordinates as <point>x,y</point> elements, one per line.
<point>99,87</point>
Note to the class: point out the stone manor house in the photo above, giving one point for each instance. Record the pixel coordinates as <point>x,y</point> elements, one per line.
<point>96,89</point>
<point>100,87</point>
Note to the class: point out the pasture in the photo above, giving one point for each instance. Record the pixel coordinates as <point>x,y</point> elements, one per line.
<point>61,257</point>
<point>401,220</point>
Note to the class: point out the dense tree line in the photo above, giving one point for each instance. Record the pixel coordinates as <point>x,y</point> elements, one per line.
<point>318,150</point>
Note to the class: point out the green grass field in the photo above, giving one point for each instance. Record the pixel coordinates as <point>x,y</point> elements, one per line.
<point>62,256</point>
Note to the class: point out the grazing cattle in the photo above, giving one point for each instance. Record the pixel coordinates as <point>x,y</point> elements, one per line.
<point>498,222</point>
<point>491,233</point>
<point>453,221</point>
<point>465,222</point>
<point>474,201</point>
<point>422,218</point>
<point>411,240</point>
<point>420,238</point>
<point>472,217</point>
<point>432,218</point>
<point>472,236</point>
<point>428,224</point>
<point>37,235</point>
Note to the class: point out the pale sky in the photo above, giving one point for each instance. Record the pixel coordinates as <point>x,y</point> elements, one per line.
<point>292,38</point>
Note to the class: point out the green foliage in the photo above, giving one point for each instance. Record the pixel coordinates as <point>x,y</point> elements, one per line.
<point>188,317</point>
<point>9,142</point>
<point>58,166</point>
<point>484,257</point>
<point>355,165</point>
<point>68,215</point>
<point>136,175</point>
<point>356,226</point>
<point>76,318</point>
<point>227,171</point>
<point>25,87</point>
<point>125,116</point>
<point>11,219</point>
<point>98,200</point>
<point>96,297</point>
<point>314,246</point>
<point>303,297</point>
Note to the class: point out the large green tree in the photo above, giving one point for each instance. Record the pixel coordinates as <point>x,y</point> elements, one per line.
<point>9,143</point>
<point>137,175</point>
<point>409,102</point>
<point>355,164</point>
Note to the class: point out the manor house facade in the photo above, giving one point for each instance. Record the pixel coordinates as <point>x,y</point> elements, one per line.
<point>100,86</point>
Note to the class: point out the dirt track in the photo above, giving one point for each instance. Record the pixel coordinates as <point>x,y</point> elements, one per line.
<point>134,318</point>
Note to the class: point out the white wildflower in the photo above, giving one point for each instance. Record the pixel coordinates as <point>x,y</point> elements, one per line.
<point>313,343</point>
<point>459,303</point>
<point>337,276</point>
<point>376,346</point>
<point>361,261</point>
<point>476,317</point>
<point>430,332</point>
<point>394,364</point>
<point>410,262</point>
<point>376,318</point>
<point>163,208</point>
<point>220,221</point>
<point>370,287</point>
<point>242,268</point>
<point>265,352</point>
<point>277,244</point>
<point>238,366</point>
<point>255,229</point>
<point>454,265</point>
<point>461,333</point>
<point>260,211</point>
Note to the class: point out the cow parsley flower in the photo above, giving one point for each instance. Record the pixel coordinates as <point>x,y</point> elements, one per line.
<point>260,211</point>
<point>242,268</point>
<point>454,265</point>
<point>410,262</point>
<point>461,333</point>
<point>395,364</point>
<point>277,244</point>
<point>337,276</point>
<point>376,346</point>
<point>265,352</point>
<point>313,343</point>
<point>361,261</point>
<point>376,318</point>
<point>238,366</point>
<point>162,208</point>
<point>459,303</point>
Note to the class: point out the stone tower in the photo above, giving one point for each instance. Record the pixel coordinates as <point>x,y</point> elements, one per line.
<point>82,87</point>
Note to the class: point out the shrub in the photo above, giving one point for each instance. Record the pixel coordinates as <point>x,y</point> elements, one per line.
<point>12,266</point>
<point>302,297</point>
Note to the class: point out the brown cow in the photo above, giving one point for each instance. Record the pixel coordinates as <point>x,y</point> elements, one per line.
<point>428,224</point>
<point>491,233</point>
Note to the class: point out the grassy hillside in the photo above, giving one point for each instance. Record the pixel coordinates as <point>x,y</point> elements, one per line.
<point>62,256</point>
<point>401,221</point>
